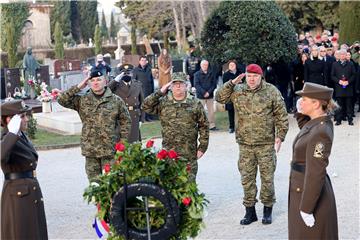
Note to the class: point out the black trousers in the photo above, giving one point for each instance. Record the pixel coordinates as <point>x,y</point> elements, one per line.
<point>231,114</point>
<point>346,108</point>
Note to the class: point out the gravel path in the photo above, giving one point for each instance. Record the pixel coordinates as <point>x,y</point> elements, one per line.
<point>62,178</point>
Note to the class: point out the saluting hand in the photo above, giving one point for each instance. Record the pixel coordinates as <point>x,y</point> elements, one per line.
<point>238,79</point>
<point>165,88</point>
<point>14,124</point>
<point>83,83</point>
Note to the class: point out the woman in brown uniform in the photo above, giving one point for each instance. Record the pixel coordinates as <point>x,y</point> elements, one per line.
<point>22,206</point>
<point>312,208</point>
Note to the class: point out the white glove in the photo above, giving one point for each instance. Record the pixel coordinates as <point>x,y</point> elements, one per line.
<point>298,105</point>
<point>308,219</point>
<point>140,123</point>
<point>119,77</point>
<point>14,124</point>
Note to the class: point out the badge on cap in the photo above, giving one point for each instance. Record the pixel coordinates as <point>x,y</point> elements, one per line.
<point>319,150</point>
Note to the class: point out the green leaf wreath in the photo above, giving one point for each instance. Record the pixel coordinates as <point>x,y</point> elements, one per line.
<point>164,168</point>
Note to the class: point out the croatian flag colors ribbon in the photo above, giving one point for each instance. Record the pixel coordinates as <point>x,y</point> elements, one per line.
<point>101,228</point>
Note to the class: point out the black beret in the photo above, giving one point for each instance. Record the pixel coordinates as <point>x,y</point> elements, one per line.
<point>95,73</point>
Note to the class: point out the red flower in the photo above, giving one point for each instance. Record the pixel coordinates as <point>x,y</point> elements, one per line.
<point>150,143</point>
<point>107,167</point>
<point>188,168</point>
<point>186,201</point>
<point>162,154</point>
<point>173,154</point>
<point>119,147</point>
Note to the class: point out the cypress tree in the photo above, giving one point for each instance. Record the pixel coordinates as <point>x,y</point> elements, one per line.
<point>133,40</point>
<point>113,28</point>
<point>97,39</point>
<point>249,31</point>
<point>103,28</point>
<point>349,22</point>
<point>59,44</point>
<point>11,44</point>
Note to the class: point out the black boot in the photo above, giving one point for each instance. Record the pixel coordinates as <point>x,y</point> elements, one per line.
<point>250,216</point>
<point>267,215</point>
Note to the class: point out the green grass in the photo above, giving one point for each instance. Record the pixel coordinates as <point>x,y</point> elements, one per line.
<point>43,138</point>
<point>148,130</point>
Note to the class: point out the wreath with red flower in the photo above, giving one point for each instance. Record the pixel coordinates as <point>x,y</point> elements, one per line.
<point>164,168</point>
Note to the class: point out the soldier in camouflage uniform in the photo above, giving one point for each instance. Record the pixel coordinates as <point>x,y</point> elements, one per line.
<point>183,121</point>
<point>105,120</point>
<point>262,122</point>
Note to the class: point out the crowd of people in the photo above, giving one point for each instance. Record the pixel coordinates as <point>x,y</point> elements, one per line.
<point>113,111</point>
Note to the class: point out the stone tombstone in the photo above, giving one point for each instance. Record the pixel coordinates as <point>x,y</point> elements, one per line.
<point>12,80</point>
<point>65,65</point>
<point>2,86</point>
<point>42,74</point>
<point>107,60</point>
<point>177,65</point>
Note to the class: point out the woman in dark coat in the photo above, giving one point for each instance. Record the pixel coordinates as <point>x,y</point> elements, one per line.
<point>312,208</point>
<point>22,206</point>
<point>315,70</point>
<point>231,74</point>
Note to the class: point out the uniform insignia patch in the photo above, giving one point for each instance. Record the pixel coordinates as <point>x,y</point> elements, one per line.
<point>319,150</point>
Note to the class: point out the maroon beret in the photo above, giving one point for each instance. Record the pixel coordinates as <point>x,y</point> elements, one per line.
<point>254,68</point>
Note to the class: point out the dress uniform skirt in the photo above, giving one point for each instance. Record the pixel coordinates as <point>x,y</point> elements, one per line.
<point>325,215</point>
<point>22,210</point>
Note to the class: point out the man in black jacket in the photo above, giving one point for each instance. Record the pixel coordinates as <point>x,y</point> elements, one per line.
<point>143,74</point>
<point>343,77</point>
<point>205,84</point>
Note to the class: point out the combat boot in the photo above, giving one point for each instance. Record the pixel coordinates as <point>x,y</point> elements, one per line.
<point>267,219</point>
<point>250,216</point>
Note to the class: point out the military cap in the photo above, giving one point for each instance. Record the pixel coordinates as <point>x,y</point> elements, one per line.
<point>178,77</point>
<point>254,68</point>
<point>95,73</point>
<point>12,107</point>
<point>316,91</point>
<point>126,68</point>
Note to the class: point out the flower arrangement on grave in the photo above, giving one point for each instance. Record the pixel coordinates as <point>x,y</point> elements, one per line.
<point>146,164</point>
<point>47,95</point>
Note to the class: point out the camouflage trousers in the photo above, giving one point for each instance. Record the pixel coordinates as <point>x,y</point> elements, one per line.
<point>193,170</point>
<point>250,158</point>
<point>94,166</point>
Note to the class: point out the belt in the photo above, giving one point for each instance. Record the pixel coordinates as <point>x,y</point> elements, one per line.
<point>298,167</point>
<point>19,175</point>
<point>131,108</point>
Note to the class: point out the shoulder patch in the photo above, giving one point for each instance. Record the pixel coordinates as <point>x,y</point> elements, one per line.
<point>319,150</point>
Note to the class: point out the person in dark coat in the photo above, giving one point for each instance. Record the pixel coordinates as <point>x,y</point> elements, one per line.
<point>312,208</point>
<point>231,74</point>
<point>131,92</point>
<point>205,84</point>
<point>315,68</point>
<point>343,76</point>
<point>192,65</point>
<point>143,74</point>
<point>22,205</point>
<point>329,60</point>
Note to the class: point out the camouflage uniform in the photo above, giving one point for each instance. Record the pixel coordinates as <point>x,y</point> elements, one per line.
<point>262,117</point>
<point>182,122</point>
<point>105,121</point>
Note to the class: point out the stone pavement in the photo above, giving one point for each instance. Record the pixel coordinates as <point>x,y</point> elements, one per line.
<point>62,178</point>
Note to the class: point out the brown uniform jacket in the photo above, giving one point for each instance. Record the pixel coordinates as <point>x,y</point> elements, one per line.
<point>133,97</point>
<point>310,191</point>
<point>22,206</point>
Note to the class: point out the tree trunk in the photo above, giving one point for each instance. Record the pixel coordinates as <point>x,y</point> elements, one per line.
<point>166,40</point>
<point>183,35</point>
<point>133,40</point>
<point>177,26</point>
